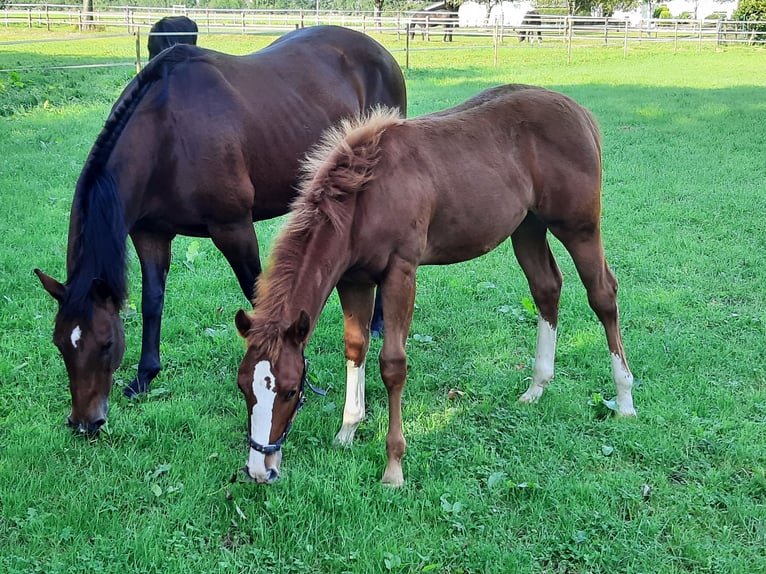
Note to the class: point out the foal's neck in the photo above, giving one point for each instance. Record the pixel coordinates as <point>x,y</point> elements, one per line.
<point>305,267</point>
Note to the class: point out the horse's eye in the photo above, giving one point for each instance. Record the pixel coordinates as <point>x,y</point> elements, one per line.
<point>290,395</point>
<point>106,347</point>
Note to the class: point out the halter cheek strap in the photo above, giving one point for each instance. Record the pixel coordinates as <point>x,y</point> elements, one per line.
<point>271,448</point>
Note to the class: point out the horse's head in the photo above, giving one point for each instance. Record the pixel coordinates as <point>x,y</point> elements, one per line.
<point>92,348</point>
<point>271,377</point>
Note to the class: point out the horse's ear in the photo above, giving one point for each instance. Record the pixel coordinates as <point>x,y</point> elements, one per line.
<point>299,330</point>
<point>53,287</point>
<point>243,322</point>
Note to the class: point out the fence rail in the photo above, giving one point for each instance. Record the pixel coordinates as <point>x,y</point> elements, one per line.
<point>551,29</point>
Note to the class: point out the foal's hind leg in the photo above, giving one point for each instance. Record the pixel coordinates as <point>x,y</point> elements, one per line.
<point>357,301</point>
<point>531,247</point>
<point>588,254</point>
<point>239,246</point>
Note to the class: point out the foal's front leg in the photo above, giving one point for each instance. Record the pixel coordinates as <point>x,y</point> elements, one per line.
<point>398,290</point>
<point>357,303</point>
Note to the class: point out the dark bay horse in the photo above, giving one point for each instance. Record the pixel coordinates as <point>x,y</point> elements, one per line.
<point>530,25</point>
<point>384,196</point>
<point>427,19</point>
<point>171,30</point>
<point>202,144</point>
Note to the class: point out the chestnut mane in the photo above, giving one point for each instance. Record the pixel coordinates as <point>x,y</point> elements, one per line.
<point>339,166</point>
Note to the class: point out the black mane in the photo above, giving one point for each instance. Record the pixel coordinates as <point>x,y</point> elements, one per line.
<point>98,253</point>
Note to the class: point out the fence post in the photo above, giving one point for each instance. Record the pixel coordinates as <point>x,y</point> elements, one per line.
<point>718,34</point>
<point>407,49</point>
<point>570,32</point>
<point>495,41</point>
<point>138,50</point>
<point>29,18</point>
<point>606,31</point>
<point>625,45</point>
<point>675,38</point>
<point>47,19</point>
<point>699,41</point>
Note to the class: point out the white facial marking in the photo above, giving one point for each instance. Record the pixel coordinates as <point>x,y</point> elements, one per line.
<point>75,336</point>
<point>265,391</point>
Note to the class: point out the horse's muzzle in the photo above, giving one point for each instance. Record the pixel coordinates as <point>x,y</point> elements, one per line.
<point>86,428</point>
<point>272,474</point>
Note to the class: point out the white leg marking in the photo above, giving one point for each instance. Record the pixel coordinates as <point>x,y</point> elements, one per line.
<point>544,358</point>
<point>353,412</point>
<point>623,380</point>
<point>265,391</point>
<point>75,336</point>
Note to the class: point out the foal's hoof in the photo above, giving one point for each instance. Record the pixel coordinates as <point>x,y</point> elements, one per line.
<point>136,387</point>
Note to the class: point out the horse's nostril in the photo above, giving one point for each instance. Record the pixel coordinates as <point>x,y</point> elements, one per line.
<point>91,428</point>
<point>271,475</point>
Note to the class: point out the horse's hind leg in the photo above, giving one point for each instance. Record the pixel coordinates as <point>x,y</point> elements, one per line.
<point>356,300</point>
<point>154,255</point>
<point>588,254</point>
<point>531,247</point>
<point>239,246</point>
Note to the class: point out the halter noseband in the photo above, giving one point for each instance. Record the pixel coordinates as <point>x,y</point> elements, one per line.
<point>267,449</point>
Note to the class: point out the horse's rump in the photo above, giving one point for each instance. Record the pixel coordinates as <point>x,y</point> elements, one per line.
<point>175,28</point>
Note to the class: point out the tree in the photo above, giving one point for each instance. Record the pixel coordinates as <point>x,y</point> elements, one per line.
<point>750,10</point>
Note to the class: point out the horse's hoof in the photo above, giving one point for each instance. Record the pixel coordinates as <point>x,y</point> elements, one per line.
<point>135,388</point>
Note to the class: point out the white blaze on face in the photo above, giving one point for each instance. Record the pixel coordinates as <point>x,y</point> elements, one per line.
<point>75,336</point>
<point>265,391</point>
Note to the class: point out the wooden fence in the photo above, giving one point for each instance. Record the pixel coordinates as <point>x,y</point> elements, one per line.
<point>552,30</point>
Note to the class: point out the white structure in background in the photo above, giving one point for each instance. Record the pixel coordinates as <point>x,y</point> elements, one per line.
<point>697,8</point>
<point>472,14</point>
<point>700,8</point>
<point>509,13</point>
<point>633,17</point>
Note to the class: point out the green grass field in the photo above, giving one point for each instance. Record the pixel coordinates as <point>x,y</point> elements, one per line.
<point>492,486</point>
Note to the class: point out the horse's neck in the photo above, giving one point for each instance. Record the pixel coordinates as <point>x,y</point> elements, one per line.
<point>305,281</point>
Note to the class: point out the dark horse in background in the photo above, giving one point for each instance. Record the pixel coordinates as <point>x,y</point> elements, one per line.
<point>171,30</point>
<point>201,144</point>
<point>385,196</point>
<point>427,19</point>
<point>530,25</point>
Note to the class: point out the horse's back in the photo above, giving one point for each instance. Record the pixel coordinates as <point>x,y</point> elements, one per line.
<point>481,166</point>
<point>224,134</point>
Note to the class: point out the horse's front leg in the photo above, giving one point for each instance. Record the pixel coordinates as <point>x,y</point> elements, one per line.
<point>154,255</point>
<point>398,288</point>
<point>239,246</point>
<point>357,302</point>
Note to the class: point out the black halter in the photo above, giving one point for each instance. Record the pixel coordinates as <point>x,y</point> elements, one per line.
<point>267,449</point>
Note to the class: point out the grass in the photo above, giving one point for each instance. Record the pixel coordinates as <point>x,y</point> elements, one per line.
<point>492,486</point>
